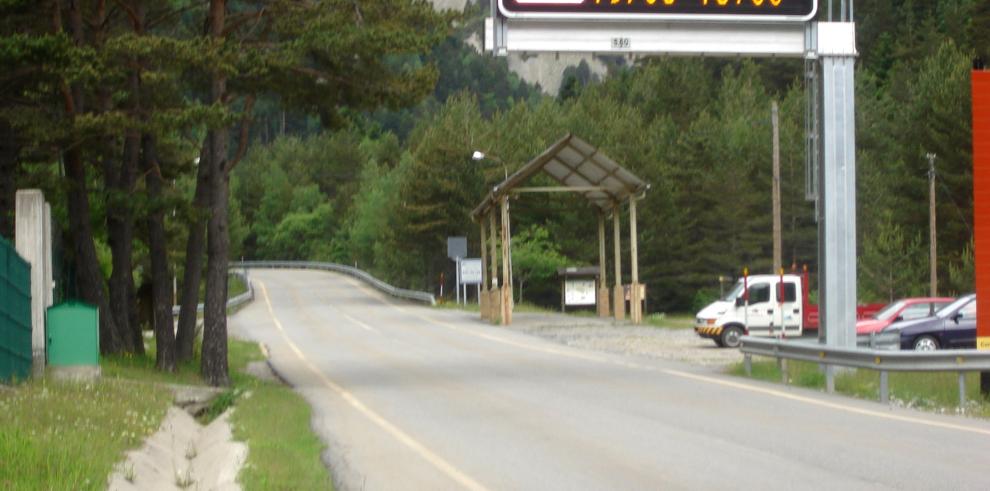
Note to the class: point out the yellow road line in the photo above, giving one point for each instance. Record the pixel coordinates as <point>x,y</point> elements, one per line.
<point>696,377</point>
<point>442,465</point>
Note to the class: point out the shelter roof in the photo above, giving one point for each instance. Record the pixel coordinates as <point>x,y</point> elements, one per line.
<point>577,165</point>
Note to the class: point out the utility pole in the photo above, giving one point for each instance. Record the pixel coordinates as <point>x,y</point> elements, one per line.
<point>777,241</point>
<point>932,237</point>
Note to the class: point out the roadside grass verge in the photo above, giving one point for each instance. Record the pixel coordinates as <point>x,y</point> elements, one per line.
<point>69,435</point>
<point>64,435</point>
<point>934,392</point>
<point>235,286</point>
<point>275,423</point>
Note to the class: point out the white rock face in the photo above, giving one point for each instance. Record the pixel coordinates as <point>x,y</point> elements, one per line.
<point>546,69</point>
<point>456,5</point>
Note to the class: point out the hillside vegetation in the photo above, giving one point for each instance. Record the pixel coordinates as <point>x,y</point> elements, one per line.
<point>385,195</point>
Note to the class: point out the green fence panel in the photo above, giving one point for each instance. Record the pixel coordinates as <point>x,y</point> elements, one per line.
<point>15,314</point>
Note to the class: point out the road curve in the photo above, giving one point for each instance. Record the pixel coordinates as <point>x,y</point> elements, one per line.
<point>410,397</point>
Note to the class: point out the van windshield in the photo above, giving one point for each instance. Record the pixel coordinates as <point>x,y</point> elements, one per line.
<point>734,293</point>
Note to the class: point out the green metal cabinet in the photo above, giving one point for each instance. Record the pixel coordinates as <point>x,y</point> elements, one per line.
<point>73,334</point>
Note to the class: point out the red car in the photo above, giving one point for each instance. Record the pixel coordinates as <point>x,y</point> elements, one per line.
<point>904,309</point>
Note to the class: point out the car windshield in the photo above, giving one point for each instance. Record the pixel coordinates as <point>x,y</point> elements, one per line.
<point>948,310</point>
<point>889,311</point>
<point>735,292</point>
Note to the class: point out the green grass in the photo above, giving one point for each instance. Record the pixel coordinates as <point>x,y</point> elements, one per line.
<point>63,435</point>
<point>284,452</point>
<point>56,435</point>
<point>235,286</point>
<point>926,391</point>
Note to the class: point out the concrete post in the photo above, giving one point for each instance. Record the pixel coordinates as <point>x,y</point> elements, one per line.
<point>33,243</point>
<point>618,296</point>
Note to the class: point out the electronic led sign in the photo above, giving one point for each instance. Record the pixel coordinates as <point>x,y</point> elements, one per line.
<point>797,10</point>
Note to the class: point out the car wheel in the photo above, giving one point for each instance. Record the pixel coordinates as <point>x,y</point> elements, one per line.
<point>730,337</point>
<point>718,341</point>
<point>925,343</point>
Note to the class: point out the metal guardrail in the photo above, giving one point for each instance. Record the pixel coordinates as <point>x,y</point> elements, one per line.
<point>413,295</point>
<point>237,301</point>
<point>887,341</point>
<point>882,360</point>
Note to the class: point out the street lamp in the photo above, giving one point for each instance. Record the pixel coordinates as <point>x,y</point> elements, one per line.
<point>478,156</point>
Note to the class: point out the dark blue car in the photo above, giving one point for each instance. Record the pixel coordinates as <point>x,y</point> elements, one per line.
<point>952,327</point>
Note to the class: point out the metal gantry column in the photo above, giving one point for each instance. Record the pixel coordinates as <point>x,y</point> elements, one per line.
<point>837,225</point>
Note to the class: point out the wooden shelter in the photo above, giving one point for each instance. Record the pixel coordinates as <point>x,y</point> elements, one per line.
<point>579,168</point>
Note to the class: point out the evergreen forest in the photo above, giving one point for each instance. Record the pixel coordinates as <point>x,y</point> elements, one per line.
<point>173,136</point>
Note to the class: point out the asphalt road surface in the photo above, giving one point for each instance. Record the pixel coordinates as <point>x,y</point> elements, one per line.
<point>410,397</point>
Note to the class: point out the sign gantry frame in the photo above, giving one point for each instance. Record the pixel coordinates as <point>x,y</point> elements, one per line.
<point>829,47</point>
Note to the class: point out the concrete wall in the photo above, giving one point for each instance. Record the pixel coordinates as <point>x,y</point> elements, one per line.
<point>32,233</point>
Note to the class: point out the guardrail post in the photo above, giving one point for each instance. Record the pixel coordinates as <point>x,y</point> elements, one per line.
<point>884,387</point>
<point>748,364</point>
<point>962,392</point>
<point>829,378</point>
<point>783,370</point>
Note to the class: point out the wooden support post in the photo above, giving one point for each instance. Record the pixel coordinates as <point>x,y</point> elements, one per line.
<point>618,296</point>
<point>482,289</point>
<point>635,302</point>
<point>506,299</point>
<point>602,297</point>
<point>775,191</point>
<point>494,296</point>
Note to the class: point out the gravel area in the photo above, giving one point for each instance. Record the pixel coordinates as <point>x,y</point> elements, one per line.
<point>606,335</point>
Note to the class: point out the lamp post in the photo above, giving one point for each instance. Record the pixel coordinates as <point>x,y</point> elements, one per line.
<point>478,156</point>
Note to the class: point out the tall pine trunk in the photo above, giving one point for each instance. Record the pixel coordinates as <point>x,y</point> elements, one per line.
<point>214,357</point>
<point>88,274</point>
<point>195,249</point>
<point>165,355</point>
<point>89,278</point>
<point>214,360</point>
<point>120,238</point>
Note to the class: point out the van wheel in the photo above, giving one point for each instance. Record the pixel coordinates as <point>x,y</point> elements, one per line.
<point>731,337</point>
<point>718,341</point>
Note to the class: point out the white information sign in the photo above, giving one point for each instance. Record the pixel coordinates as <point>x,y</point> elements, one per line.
<point>579,292</point>
<point>470,271</point>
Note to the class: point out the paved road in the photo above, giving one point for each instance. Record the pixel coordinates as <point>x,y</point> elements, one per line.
<point>409,398</point>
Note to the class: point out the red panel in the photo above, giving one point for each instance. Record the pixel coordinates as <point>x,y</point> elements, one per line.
<point>981,197</point>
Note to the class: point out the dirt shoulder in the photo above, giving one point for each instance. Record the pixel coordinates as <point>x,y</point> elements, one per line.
<point>609,336</point>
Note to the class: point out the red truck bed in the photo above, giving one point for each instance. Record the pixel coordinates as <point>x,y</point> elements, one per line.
<point>862,312</point>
